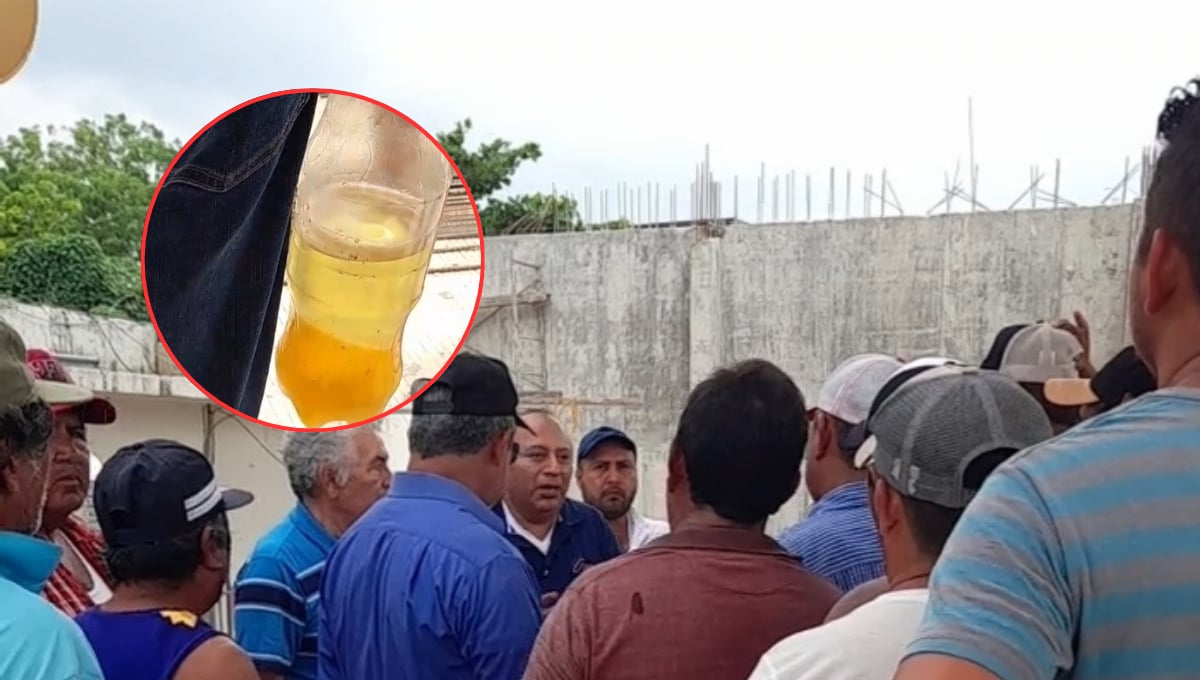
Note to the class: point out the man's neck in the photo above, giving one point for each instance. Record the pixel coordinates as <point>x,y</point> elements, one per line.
<point>705,518</point>
<point>539,527</point>
<point>1187,375</point>
<point>145,597</point>
<point>911,576</point>
<point>52,522</point>
<point>838,481</point>
<point>620,528</point>
<point>326,517</point>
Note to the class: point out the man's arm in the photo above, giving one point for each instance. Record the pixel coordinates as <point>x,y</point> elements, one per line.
<point>563,645</point>
<point>269,615</point>
<point>500,618</point>
<point>217,657</point>
<point>1000,604</point>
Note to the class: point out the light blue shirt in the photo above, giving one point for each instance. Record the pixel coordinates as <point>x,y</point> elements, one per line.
<point>39,642</point>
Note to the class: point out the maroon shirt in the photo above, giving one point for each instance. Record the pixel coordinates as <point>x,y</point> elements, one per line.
<point>696,603</point>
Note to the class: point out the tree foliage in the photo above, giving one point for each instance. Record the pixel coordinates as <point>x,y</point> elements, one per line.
<point>72,271</point>
<point>530,213</point>
<point>65,190</point>
<point>489,167</point>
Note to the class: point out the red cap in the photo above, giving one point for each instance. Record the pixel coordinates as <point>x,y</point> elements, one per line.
<point>45,366</point>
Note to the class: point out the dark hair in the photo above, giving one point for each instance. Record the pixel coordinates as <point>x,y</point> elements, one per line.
<point>170,562</point>
<point>932,523</point>
<point>24,431</point>
<point>1173,200</point>
<point>742,436</point>
<point>431,435</point>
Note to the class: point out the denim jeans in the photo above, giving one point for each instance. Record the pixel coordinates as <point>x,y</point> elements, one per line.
<point>216,246</point>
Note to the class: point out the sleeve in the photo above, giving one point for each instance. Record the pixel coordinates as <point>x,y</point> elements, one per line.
<point>269,614</point>
<point>1000,595</point>
<point>563,646</point>
<point>501,619</point>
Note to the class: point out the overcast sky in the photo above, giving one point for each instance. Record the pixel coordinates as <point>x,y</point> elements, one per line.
<point>631,90</point>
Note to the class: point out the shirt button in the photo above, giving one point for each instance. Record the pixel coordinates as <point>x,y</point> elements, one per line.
<point>546,572</point>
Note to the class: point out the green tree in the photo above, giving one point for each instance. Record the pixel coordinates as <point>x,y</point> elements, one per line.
<point>93,179</point>
<point>489,167</point>
<point>72,271</point>
<point>530,213</point>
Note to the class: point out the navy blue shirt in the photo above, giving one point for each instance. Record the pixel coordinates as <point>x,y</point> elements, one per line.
<point>143,645</point>
<point>581,539</point>
<point>425,585</point>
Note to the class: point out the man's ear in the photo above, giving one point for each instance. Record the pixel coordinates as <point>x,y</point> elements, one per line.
<point>1164,268</point>
<point>214,555</point>
<point>676,470</point>
<point>887,505</point>
<point>822,433</point>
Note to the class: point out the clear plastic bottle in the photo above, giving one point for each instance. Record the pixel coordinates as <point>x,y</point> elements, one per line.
<point>363,228</point>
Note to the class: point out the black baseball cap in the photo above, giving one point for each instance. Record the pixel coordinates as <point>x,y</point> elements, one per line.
<point>601,435</point>
<point>475,385</point>
<point>157,490</point>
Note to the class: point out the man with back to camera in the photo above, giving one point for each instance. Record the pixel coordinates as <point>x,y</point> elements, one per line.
<point>336,475</point>
<point>39,641</point>
<point>428,567</point>
<point>837,540</point>
<point>608,480</point>
<point>558,537</point>
<point>1078,556</point>
<point>707,599</point>
<point>81,579</point>
<point>165,526</point>
<point>935,433</point>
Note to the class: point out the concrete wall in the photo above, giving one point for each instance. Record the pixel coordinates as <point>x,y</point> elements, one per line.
<point>643,315</point>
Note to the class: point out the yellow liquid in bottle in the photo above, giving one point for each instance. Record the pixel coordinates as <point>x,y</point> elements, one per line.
<point>356,268</point>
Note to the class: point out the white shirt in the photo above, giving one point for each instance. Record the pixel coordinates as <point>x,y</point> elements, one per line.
<point>866,644</point>
<point>514,526</point>
<point>642,530</point>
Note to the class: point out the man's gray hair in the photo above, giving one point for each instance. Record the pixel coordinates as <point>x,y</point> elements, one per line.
<point>431,435</point>
<point>307,453</point>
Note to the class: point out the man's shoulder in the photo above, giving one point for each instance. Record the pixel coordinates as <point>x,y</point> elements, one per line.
<point>43,629</point>
<point>450,534</point>
<point>584,513</point>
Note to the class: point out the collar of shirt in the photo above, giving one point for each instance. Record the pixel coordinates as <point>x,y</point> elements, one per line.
<point>421,485</point>
<point>514,527</point>
<point>729,539</point>
<point>304,521</point>
<point>570,514</point>
<point>846,496</point>
<point>27,561</point>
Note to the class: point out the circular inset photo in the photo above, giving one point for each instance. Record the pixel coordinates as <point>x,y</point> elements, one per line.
<point>308,256</point>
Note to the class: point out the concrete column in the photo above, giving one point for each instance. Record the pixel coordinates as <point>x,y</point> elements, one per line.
<point>706,318</point>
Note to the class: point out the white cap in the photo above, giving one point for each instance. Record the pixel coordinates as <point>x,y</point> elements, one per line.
<point>1041,352</point>
<point>850,389</point>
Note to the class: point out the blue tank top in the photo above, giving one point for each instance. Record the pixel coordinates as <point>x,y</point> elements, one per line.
<point>145,645</point>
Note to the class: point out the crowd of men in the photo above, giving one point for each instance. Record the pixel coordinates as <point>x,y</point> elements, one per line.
<point>1028,518</point>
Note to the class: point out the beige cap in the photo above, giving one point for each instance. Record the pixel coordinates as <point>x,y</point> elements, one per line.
<point>16,35</point>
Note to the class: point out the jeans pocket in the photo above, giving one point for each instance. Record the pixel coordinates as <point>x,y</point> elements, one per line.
<point>238,145</point>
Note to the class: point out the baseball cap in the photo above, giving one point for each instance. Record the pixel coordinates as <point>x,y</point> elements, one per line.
<point>18,385</point>
<point>476,385</point>
<point>601,435</point>
<point>156,490</point>
<point>1040,352</point>
<point>46,366</point>
<point>848,392</point>
<point>927,432</point>
<point>1125,374</point>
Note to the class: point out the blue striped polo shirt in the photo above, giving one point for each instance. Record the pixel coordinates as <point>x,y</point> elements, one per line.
<point>1080,557</point>
<point>838,540</point>
<point>277,601</point>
